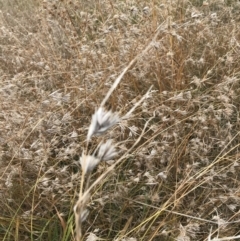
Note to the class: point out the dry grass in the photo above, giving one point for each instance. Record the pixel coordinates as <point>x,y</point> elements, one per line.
<point>178,178</point>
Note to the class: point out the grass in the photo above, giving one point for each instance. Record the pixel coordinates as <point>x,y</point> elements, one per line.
<point>176,172</point>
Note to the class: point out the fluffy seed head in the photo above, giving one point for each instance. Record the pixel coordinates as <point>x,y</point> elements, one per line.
<point>102,120</point>
<point>88,163</point>
<point>107,151</point>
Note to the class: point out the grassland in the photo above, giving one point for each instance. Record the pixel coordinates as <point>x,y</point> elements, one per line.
<point>179,174</point>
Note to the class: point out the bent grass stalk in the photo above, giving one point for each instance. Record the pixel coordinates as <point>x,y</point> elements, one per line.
<point>102,121</point>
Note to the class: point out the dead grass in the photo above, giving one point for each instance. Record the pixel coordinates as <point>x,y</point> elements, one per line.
<point>58,59</point>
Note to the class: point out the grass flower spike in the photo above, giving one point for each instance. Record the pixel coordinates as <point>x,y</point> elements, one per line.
<point>102,120</point>
<point>106,151</point>
<point>88,163</point>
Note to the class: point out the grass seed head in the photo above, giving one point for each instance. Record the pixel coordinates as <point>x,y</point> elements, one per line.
<point>102,120</point>
<point>88,163</point>
<point>107,151</point>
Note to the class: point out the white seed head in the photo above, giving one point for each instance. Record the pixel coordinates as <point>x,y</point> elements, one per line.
<point>88,163</point>
<point>106,151</point>
<point>92,237</point>
<point>102,120</point>
<point>83,216</point>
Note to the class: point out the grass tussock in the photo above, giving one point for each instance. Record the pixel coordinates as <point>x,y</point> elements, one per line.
<point>168,168</point>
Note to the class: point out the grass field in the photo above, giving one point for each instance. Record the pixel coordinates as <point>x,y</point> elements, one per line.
<point>165,163</point>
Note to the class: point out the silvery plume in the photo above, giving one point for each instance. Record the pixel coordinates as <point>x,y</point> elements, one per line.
<point>102,120</point>
<point>88,163</point>
<point>83,216</point>
<point>106,151</point>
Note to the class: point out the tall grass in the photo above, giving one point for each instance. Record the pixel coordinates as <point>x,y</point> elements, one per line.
<point>71,69</point>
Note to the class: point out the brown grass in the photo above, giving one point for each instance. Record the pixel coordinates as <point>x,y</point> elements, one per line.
<point>58,59</point>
